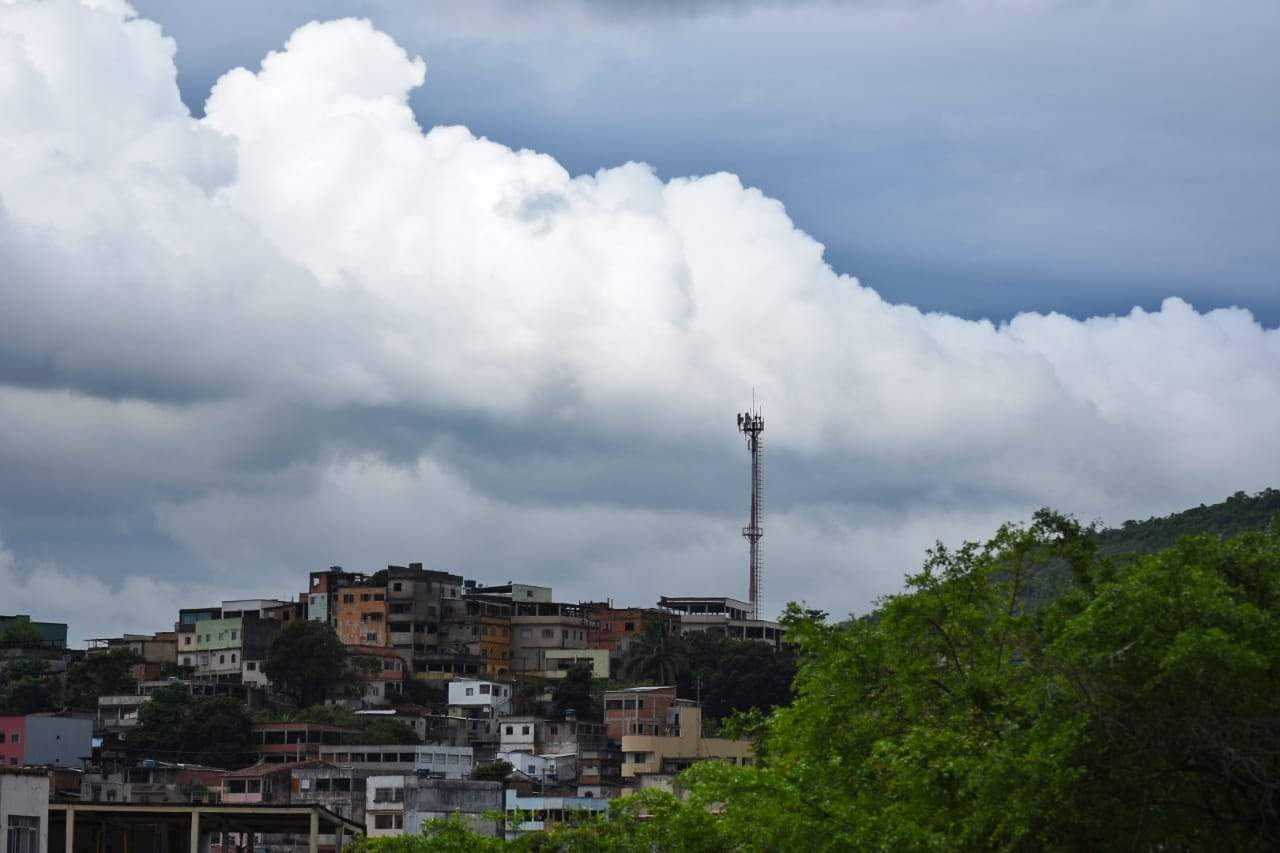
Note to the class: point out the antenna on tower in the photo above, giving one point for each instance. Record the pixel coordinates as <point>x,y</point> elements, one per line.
<point>751,424</point>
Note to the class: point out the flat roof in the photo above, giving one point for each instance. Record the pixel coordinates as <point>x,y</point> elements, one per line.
<point>255,817</point>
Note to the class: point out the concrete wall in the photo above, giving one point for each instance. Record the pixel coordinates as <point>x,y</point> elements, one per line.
<point>24,794</point>
<point>58,740</point>
<point>429,799</point>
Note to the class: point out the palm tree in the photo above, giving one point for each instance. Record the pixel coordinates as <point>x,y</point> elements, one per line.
<point>656,654</point>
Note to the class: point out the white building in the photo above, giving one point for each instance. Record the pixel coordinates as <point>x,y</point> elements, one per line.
<point>492,697</point>
<point>384,805</point>
<point>450,762</point>
<point>24,811</point>
<point>551,768</point>
<point>541,812</point>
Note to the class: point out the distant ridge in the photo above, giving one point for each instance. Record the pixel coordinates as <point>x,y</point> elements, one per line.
<point>1240,513</point>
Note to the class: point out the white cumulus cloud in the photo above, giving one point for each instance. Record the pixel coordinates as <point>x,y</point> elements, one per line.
<point>304,323</point>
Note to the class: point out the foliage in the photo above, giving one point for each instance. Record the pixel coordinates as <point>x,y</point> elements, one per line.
<point>19,633</point>
<point>307,661</point>
<point>574,693</point>
<point>104,673</point>
<point>526,697</point>
<point>492,771</point>
<point>1240,513</point>
<point>419,691</point>
<point>1134,712</point>
<point>657,655</point>
<point>729,675</point>
<point>366,728</point>
<point>176,726</point>
<point>24,687</point>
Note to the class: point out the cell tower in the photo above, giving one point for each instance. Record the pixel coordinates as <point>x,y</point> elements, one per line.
<point>751,424</point>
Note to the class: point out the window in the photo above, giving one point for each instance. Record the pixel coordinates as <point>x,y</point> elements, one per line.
<point>371,638</point>
<point>323,785</point>
<point>511,730</point>
<point>548,633</point>
<point>395,587</point>
<point>342,784</point>
<point>186,661</point>
<point>471,691</point>
<point>388,821</point>
<point>364,596</point>
<point>252,666</point>
<point>564,633</point>
<point>235,786</point>
<point>186,641</point>
<point>484,688</point>
<point>348,598</point>
<point>234,634</point>
<point>377,596</point>
<point>222,658</point>
<point>526,633</point>
<point>524,730</point>
<point>630,626</point>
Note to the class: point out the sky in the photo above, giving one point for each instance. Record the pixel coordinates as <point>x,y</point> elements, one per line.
<point>483,286</point>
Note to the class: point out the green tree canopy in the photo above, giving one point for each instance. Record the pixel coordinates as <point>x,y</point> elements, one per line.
<point>574,693</point>
<point>173,725</point>
<point>657,654</point>
<point>307,662</point>
<point>104,673</point>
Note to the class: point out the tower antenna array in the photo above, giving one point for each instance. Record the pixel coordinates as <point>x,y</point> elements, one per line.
<point>751,424</point>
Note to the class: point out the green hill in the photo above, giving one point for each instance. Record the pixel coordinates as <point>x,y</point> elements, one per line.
<point>1239,513</point>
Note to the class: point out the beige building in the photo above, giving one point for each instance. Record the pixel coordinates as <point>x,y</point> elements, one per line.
<point>560,661</point>
<point>681,746</point>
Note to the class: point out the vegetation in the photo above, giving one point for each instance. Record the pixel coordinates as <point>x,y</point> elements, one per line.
<point>104,673</point>
<point>24,687</point>
<point>574,693</point>
<point>657,655</point>
<point>1240,513</point>
<point>1135,710</point>
<point>366,728</point>
<point>727,675</point>
<point>176,726</point>
<point>492,771</point>
<point>20,634</point>
<point>307,662</point>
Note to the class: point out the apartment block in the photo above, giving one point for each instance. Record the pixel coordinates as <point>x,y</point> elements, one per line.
<point>45,739</point>
<point>727,617</point>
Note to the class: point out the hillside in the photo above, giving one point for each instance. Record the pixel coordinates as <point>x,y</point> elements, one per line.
<point>1239,513</point>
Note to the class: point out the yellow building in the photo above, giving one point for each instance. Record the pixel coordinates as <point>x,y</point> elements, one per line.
<point>682,746</point>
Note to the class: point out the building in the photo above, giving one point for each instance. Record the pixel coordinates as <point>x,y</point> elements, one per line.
<point>491,698</point>
<point>261,783</point>
<point>549,769</point>
<point>614,627</point>
<point>360,615</point>
<point>153,782</point>
<point>538,736</point>
<point>727,617</point>
<point>383,671</point>
<point>527,813</point>
<point>158,652</point>
<point>24,811</point>
<point>680,745</point>
<point>439,760</point>
<point>435,799</point>
<point>560,661</point>
<point>45,739</point>
<point>230,649</point>
<point>51,634</point>
<point>482,628</point>
<point>537,623</point>
<point>637,710</point>
<point>420,602</point>
<point>341,790</point>
<point>322,592</point>
<point>294,742</point>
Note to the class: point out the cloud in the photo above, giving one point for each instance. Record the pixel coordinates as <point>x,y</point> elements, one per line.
<point>305,330</point>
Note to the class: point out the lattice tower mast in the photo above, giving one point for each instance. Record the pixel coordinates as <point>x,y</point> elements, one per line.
<point>751,424</point>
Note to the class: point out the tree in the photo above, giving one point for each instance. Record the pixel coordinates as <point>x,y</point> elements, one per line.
<point>24,687</point>
<point>20,634</point>
<point>1134,711</point>
<point>173,725</point>
<point>104,673</point>
<point>306,662</point>
<point>492,771</point>
<point>419,691</point>
<point>656,654</point>
<point>573,693</point>
<point>730,675</point>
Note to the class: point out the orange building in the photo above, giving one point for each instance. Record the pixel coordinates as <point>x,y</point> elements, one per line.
<point>361,616</point>
<point>613,627</point>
